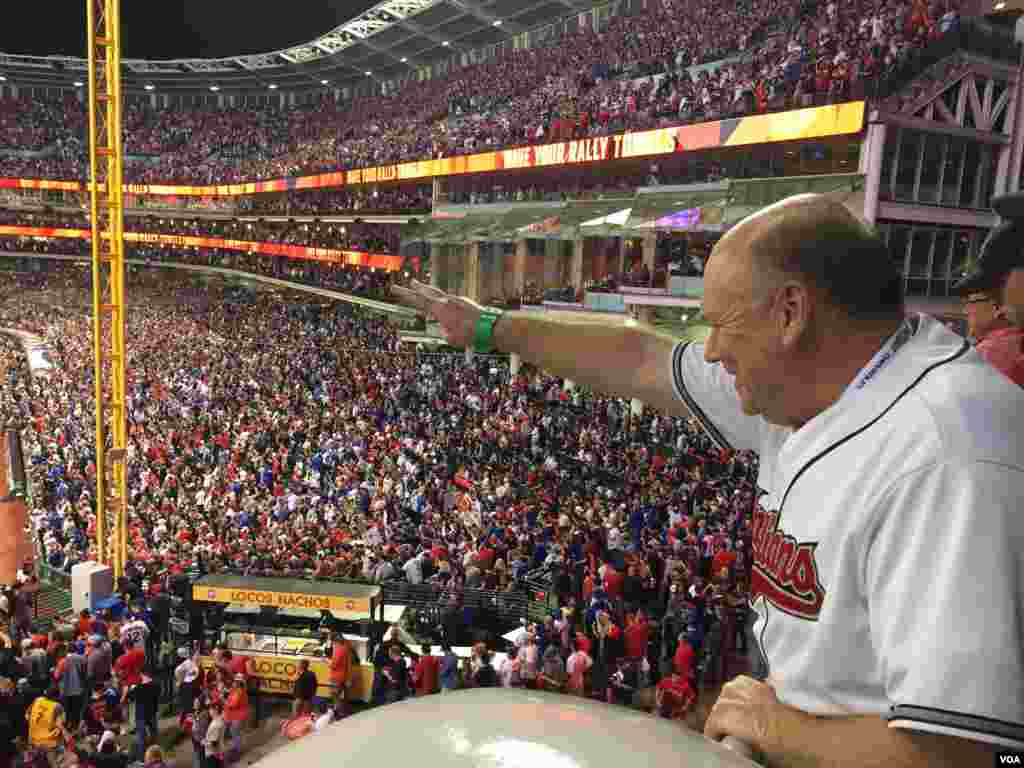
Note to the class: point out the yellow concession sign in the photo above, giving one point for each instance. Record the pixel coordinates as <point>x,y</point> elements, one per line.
<point>276,675</point>
<point>259,598</point>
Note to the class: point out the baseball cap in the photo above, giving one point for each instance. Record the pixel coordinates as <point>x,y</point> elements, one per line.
<point>1002,251</point>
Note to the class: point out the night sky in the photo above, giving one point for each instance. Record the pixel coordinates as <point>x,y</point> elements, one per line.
<point>171,29</point>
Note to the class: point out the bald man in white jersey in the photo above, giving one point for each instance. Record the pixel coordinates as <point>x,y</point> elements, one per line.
<point>888,572</point>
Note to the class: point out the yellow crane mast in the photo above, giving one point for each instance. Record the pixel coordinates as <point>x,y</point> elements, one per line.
<point>106,200</point>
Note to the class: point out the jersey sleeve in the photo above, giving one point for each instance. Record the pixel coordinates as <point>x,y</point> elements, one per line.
<point>944,581</point>
<point>708,392</point>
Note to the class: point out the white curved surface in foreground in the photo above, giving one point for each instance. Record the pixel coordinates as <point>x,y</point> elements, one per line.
<point>502,728</point>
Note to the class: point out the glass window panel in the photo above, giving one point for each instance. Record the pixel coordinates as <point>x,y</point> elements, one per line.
<point>969,188</point>
<point>941,282</point>
<point>988,174</point>
<point>940,256</point>
<point>920,252</point>
<point>899,238</point>
<point>906,170</point>
<point>954,170</point>
<point>961,251</point>
<point>848,157</point>
<point>817,158</point>
<point>918,287</point>
<point>928,191</point>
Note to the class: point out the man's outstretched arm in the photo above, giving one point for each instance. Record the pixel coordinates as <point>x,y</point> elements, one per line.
<point>610,356</point>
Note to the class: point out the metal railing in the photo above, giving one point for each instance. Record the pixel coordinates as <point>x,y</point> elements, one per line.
<point>431,598</point>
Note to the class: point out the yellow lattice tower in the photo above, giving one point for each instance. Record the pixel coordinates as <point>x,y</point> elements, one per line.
<point>106,197</point>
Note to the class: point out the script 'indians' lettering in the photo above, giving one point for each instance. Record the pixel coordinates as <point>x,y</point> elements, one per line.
<point>785,570</point>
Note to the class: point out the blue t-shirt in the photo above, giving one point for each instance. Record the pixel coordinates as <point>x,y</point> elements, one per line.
<point>449,673</point>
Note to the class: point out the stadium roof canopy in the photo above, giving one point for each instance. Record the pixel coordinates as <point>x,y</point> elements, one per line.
<point>386,41</point>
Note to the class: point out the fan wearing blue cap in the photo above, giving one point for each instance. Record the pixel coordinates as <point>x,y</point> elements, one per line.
<point>993,292</point>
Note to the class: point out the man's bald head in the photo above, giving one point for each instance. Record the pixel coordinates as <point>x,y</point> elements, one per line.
<point>817,241</point>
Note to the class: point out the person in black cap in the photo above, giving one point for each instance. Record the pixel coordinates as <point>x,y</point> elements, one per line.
<point>1011,208</point>
<point>993,291</point>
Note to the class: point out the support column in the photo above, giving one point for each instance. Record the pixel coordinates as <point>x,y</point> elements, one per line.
<point>436,259</point>
<point>576,266</point>
<point>551,276</point>
<point>636,408</point>
<point>649,253</point>
<point>514,364</point>
<point>871,153</point>
<point>440,192</point>
<point>620,262</point>
<point>469,356</point>
<point>519,269</point>
<point>471,281</point>
<point>1008,169</point>
<point>650,250</point>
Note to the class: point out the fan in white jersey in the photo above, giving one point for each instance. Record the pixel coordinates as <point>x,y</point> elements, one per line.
<point>887,572</point>
<point>134,632</point>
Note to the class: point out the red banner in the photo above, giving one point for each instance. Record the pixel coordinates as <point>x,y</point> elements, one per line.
<point>387,262</point>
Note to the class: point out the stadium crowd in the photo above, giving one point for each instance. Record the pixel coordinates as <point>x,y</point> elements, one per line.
<point>641,71</point>
<point>282,437</point>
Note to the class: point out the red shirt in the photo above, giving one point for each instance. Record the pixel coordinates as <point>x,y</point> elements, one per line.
<point>683,660</point>
<point>129,666</point>
<point>485,557</point>
<point>636,637</point>
<point>678,697</point>
<point>426,675</point>
<point>588,587</point>
<point>1003,349</point>
<point>613,583</point>
<point>237,665</point>
<point>723,559</point>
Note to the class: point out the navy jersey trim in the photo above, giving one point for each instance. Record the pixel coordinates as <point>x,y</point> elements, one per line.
<point>964,348</point>
<point>983,726</point>
<point>684,394</point>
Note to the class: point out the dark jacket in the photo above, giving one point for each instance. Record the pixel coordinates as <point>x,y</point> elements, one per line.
<point>305,686</point>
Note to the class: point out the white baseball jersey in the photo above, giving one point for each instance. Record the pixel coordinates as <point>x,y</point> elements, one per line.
<point>889,576</point>
<point>135,632</point>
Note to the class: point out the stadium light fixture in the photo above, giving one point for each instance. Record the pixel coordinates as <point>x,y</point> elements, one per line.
<point>214,88</point>
<point>445,43</point>
<point>79,84</point>
<point>3,79</point>
<point>497,22</point>
<point>272,86</point>
<point>149,87</point>
<point>325,82</point>
<point>368,73</point>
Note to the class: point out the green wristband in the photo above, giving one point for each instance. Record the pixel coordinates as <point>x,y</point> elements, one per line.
<point>483,332</point>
